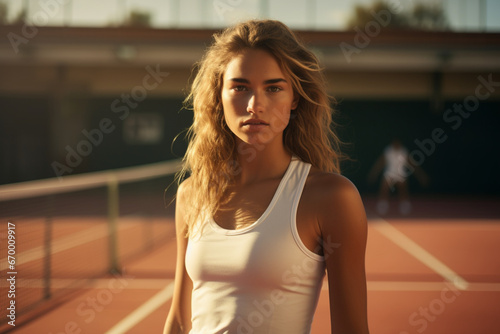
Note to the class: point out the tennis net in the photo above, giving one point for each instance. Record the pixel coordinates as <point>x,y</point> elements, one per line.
<point>57,234</point>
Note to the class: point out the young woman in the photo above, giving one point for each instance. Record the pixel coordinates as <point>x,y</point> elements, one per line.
<point>265,211</point>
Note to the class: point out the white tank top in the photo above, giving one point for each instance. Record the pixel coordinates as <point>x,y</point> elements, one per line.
<point>258,279</point>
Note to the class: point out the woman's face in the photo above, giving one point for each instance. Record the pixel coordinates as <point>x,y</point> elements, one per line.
<point>257,98</point>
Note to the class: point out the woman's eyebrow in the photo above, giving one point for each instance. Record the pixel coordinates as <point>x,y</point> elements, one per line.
<point>273,81</point>
<point>240,80</point>
<point>266,82</point>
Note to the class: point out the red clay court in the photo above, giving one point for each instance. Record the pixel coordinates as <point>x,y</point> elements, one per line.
<point>434,271</point>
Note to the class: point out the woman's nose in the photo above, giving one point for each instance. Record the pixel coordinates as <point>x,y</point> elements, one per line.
<point>255,104</point>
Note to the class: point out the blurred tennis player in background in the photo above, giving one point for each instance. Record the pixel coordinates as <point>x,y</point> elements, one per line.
<point>396,167</point>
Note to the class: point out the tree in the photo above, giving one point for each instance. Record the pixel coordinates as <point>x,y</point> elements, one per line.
<point>3,13</point>
<point>138,19</point>
<point>21,17</point>
<point>420,17</point>
<point>428,17</point>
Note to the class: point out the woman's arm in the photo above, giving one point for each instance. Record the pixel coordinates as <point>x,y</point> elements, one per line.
<point>343,221</point>
<point>179,317</point>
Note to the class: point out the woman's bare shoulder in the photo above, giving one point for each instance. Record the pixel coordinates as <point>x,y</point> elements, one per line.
<point>337,200</point>
<point>184,190</point>
<point>330,185</point>
<point>182,200</point>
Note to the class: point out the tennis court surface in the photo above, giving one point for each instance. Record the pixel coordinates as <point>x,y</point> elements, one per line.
<point>434,271</point>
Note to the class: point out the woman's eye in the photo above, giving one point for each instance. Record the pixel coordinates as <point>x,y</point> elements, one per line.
<point>274,89</point>
<point>239,88</point>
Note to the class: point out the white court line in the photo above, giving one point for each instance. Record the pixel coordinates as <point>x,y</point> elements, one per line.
<point>419,253</point>
<point>99,283</point>
<point>422,286</point>
<point>427,286</point>
<point>159,283</point>
<point>64,243</point>
<point>143,311</point>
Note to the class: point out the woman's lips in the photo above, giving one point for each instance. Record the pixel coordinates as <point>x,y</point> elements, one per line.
<point>254,122</point>
<point>254,125</point>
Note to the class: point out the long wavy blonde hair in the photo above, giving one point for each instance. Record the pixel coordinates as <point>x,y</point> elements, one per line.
<point>211,158</point>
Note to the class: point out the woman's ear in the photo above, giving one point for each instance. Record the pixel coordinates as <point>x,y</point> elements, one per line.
<point>295,101</point>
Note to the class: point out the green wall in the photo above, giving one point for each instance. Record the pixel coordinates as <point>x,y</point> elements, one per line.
<point>466,162</point>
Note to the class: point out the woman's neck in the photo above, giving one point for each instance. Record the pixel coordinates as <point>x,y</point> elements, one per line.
<point>256,165</point>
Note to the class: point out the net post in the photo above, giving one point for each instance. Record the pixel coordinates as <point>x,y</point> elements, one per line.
<point>149,238</point>
<point>47,242</point>
<point>113,214</point>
